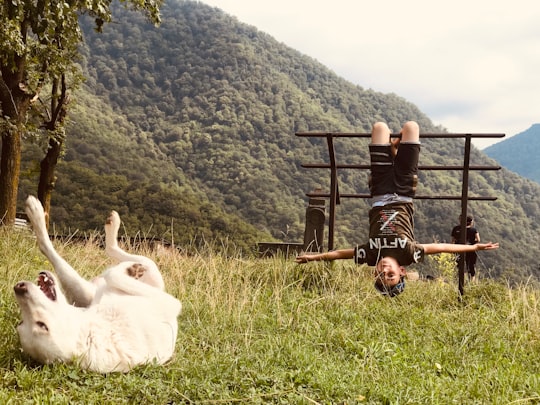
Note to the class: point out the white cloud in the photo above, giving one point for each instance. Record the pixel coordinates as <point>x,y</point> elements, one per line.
<point>471,66</point>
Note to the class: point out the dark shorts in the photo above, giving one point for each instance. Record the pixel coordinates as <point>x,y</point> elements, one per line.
<point>391,175</point>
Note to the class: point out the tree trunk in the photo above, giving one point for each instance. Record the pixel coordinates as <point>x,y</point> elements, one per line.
<point>47,178</point>
<point>10,167</point>
<point>14,105</point>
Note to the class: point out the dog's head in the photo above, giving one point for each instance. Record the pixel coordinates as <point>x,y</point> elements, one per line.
<point>47,320</point>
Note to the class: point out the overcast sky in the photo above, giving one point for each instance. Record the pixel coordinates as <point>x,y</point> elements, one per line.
<point>470,65</point>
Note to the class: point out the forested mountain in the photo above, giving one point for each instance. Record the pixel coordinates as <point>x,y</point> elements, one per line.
<point>519,153</point>
<point>188,130</point>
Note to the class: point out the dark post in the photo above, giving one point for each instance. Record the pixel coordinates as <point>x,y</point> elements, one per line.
<point>463,220</point>
<point>334,191</point>
<point>315,219</point>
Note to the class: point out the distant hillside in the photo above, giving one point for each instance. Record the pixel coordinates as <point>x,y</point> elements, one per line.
<point>519,153</point>
<point>189,129</point>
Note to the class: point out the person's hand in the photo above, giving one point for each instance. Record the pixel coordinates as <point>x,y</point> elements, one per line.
<point>301,259</point>
<point>487,246</point>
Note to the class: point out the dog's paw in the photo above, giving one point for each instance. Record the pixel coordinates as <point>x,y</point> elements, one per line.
<point>34,210</point>
<point>113,221</point>
<point>33,206</point>
<point>136,270</point>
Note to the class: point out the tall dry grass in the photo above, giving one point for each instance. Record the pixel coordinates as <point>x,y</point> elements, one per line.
<point>270,331</point>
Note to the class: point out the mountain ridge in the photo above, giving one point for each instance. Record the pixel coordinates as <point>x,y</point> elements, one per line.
<point>518,152</point>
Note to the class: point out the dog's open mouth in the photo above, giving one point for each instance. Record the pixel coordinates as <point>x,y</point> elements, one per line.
<point>46,284</point>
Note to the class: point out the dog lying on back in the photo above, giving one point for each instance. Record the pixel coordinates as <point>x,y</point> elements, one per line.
<point>121,319</point>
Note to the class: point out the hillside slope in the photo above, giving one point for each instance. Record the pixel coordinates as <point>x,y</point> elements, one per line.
<point>519,153</point>
<point>207,107</point>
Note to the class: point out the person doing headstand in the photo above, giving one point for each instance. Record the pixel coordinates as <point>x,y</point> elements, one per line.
<point>391,245</point>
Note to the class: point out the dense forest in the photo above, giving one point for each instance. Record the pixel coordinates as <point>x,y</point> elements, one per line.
<point>188,130</point>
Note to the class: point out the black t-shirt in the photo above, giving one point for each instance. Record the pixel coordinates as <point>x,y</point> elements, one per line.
<point>471,235</point>
<point>390,234</point>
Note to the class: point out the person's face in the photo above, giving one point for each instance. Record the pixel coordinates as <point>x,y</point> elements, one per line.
<point>389,271</point>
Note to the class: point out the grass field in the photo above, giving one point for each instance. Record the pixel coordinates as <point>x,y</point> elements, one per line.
<point>270,331</point>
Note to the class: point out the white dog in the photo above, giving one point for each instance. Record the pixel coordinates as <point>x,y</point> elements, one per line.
<point>114,323</point>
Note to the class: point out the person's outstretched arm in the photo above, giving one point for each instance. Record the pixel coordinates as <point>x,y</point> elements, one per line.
<point>332,255</point>
<point>433,248</point>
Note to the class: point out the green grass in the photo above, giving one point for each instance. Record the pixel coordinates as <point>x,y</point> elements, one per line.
<point>270,331</point>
